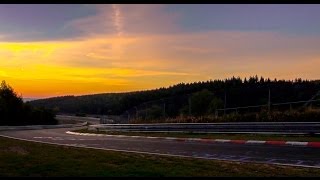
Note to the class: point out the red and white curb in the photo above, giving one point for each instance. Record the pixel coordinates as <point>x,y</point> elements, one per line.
<point>293,143</point>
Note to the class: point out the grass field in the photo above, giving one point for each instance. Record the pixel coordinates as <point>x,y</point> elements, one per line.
<point>20,158</point>
<point>211,136</point>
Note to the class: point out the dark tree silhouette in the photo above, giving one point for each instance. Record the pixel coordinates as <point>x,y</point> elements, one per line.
<point>250,91</point>
<point>13,111</point>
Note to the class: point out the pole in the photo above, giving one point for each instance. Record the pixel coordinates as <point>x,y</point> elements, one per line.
<point>128,116</point>
<point>225,102</point>
<point>290,107</point>
<point>189,106</point>
<point>136,111</point>
<point>164,109</point>
<point>146,112</point>
<point>269,101</point>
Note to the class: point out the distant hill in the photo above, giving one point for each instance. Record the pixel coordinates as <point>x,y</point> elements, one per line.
<point>240,92</point>
<point>28,99</point>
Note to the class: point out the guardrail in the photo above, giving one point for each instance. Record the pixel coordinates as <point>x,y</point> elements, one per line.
<point>36,127</point>
<point>77,118</point>
<point>246,127</point>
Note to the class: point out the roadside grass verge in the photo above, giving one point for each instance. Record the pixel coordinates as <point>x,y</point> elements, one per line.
<point>21,158</point>
<point>262,137</point>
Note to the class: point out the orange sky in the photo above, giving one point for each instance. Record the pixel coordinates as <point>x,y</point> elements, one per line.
<point>129,59</point>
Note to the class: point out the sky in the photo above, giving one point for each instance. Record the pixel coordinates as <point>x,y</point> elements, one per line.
<point>76,49</point>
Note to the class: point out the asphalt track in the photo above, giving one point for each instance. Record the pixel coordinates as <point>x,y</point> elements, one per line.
<point>271,154</point>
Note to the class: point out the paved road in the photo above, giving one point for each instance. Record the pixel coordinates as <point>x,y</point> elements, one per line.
<point>290,155</point>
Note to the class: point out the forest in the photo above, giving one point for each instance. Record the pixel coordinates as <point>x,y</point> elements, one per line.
<point>191,99</point>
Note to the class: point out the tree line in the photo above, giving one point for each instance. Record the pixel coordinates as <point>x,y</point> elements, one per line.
<point>206,96</point>
<point>13,111</point>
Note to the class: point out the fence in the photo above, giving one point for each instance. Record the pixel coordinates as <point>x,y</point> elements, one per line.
<point>181,106</point>
<point>286,106</point>
<point>159,109</point>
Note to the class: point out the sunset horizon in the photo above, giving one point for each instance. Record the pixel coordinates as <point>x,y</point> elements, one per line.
<point>155,88</point>
<point>58,50</point>
<point>143,90</point>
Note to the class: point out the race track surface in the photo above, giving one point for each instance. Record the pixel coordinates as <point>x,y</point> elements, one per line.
<point>285,155</point>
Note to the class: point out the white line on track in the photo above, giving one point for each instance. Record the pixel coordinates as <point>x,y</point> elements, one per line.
<point>222,140</point>
<point>297,143</point>
<point>255,142</point>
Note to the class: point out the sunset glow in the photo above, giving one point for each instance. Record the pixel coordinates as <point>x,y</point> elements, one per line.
<point>120,48</point>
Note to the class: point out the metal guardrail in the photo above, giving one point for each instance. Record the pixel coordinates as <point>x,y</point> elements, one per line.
<point>76,118</point>
<point>250,127</point>
<point>36,127</point>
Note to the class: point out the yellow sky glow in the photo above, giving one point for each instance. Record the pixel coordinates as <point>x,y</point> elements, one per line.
<point>138,54</point>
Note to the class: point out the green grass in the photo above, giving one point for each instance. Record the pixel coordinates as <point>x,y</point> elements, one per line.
<point>211,136</point>
<point>20,158</point>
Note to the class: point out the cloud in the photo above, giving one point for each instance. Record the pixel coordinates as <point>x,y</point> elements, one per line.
<point>135,47</point>
<point>212,53</point>
<point>41,22</point>
<point>127,19</point>
<point>117,19</point>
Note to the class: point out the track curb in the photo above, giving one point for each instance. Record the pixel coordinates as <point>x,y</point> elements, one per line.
<point>204,140</point>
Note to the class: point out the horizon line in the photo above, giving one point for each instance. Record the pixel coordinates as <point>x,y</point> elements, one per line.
<point>152,89</point>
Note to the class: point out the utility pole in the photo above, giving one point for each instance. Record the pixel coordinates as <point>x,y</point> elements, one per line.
<point>164,109</point>
<point>128,116</point>
<point>269,101</point>
<point>136,111</point>
<point>146,112</point>
<point>225,102</point>
<point>189,106</point>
